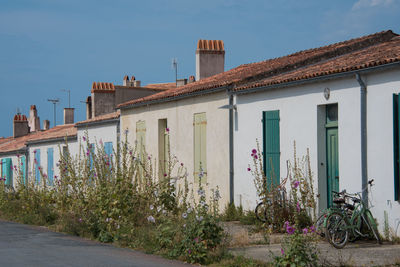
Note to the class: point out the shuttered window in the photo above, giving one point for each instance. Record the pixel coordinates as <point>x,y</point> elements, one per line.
<point>7,171</point>
<point>50,165</point>
<point>108,149</point>
<point>141,138</point>
<point>23,169</point>
<point>37,165</point>
<point>271,146</point>
<point>396,145</point>
<point>200,147</point>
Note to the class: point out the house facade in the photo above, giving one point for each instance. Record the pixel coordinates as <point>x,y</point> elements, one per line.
<point>344,109</point>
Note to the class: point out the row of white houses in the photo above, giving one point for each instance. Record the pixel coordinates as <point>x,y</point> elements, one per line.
<point>340,101</point>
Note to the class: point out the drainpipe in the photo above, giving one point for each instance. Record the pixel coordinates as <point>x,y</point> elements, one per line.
<point>231,181</point>
<point>363,111</point>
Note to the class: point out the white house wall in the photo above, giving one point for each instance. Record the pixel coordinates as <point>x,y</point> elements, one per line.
<point>97,133</point>
<point>15,161</point>
<point>179,115</point>
<point>380,89</point>
<point>72,146</point>
<point>298,121</point>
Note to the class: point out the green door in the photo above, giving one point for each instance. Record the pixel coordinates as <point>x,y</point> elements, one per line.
<point>332,151</point>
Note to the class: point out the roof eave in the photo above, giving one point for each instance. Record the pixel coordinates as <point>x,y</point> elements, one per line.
<point>52,140</point>
<point>14,152</point>
<point>94,123</point>
<point>316,79</point>
<point>174,98</point>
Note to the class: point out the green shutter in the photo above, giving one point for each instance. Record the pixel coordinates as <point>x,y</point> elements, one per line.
<point>396,145</point>
<point>23,169</point>
<point>37,171</point>
<point>50,165</point>
<point>271,146</point>
<point>141,138</point>
<point>200,146</point>
<point>8,171</point>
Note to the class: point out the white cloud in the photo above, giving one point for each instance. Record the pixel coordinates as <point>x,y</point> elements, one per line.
<point>371,3</point>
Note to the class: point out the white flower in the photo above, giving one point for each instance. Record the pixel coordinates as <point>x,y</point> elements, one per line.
<point>164,212</point>
<point>184,226</point>
<point>202,203</point>
<point>200,192</point>
<point>189,210</point>
<point>184,215</point>
<point>151,219</point>
<point>156,193</point>
<point>158,209</point>
<point>151,207</point>
<point>199,218</point>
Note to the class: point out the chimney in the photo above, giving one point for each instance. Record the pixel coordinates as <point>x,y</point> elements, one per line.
<point>69,115</point>
<point>33,120</point>
<point>46,125</point>
<point>20,126</point>
<point>181,82</point>
<point>210,58</point>
<point>125,81</point>
<point>88,107</point>
<point>192,79</point>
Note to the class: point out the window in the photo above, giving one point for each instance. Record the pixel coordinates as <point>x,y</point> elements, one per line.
<point>396,145</point>
<point>200,147</point>
<point>50,165</point>
<point>271,146</point>
<point>37,164</point>
<point>163,146</point>
<point>108,149</point>
<point>7,171</point>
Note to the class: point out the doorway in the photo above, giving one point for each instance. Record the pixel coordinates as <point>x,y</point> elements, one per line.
<point>332,151</point>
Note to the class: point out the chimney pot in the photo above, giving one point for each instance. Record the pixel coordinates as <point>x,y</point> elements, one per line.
<point>210,58</point>
<point>68,115</point>
<point>46,125</point>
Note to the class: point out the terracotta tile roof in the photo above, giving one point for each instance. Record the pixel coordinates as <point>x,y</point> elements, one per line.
<point>109,116</point>
<point>249,73</point>
<point>18,143</point>
<point>376,55</point>
<point>161,86</point>
<point>4,139</point>
<point>102,87</point>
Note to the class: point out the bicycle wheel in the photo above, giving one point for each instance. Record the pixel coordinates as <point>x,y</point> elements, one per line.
<point>336,230</point>
<point>370,221</point>
<point>261,212</point>
<point>320,224</point>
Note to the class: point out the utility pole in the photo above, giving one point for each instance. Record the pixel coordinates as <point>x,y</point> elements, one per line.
<point>69,96</point>
<point>54,101</point>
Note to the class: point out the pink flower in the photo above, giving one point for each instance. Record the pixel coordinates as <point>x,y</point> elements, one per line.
<point>84,138</point>
<point>189,251</point>
<point>255,156</point>
<point>167,129</point>
<point>165,175</point>
<point>196,240</point>
<point>305,231</point>
<point>248,169</point>
<point>296,184</point>
<point>34,151</point>
<point>298,206</point>
<point>290,230</point>
<point>312,229</point>
<point>254,151</point>
<point>182,164</point>
<point>282,252</point>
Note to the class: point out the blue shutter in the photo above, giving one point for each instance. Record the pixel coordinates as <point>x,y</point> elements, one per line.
<point>23,169</point>
<point>271,146</point>
<point>8,171</point>
<point>91,151</point>
<point>50,167</point>
<point>37,165</point>
<point>108,149</point>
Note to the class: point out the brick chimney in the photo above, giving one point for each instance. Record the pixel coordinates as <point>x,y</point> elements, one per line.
<point>130,83</point>
<point>69,115</point>
<point>210,58</point>
<point>46,125</point>
<point>20,125</point>
<point>34,120</point>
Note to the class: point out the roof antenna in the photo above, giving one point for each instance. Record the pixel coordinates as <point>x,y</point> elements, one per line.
<point>175,66</point>
<point>54,101</point>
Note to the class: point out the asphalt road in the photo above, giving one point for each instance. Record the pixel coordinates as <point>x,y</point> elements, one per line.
<point>24,245</point>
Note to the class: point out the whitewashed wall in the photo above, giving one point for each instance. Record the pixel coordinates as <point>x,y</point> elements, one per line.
<point>179,115</point>
<point>298,121</point>
<point>57,151</point>
<point>97,133</point>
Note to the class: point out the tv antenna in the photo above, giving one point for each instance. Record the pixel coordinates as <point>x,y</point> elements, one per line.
<point>54,101</point>
<point>69,96</point>
<point>175,67</point>
<point>18,111</point>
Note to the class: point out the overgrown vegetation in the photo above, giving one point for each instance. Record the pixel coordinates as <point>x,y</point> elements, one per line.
<point>122,197</point>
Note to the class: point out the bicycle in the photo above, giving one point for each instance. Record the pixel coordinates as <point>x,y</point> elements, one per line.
<point>276,199</point>
<point>341,226</point>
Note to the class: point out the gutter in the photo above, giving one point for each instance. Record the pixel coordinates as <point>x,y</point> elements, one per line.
<point>318,79</point>
<point>363,119</point>
<point>21,151</point>
<point>231,147</point>
<point>174,98</point>
<point>94,123</point>
<point>51,140</point>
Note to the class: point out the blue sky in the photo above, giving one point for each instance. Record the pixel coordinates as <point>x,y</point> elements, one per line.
<point>50,45</point>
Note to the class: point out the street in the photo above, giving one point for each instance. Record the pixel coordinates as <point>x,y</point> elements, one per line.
<point>25,245</point>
